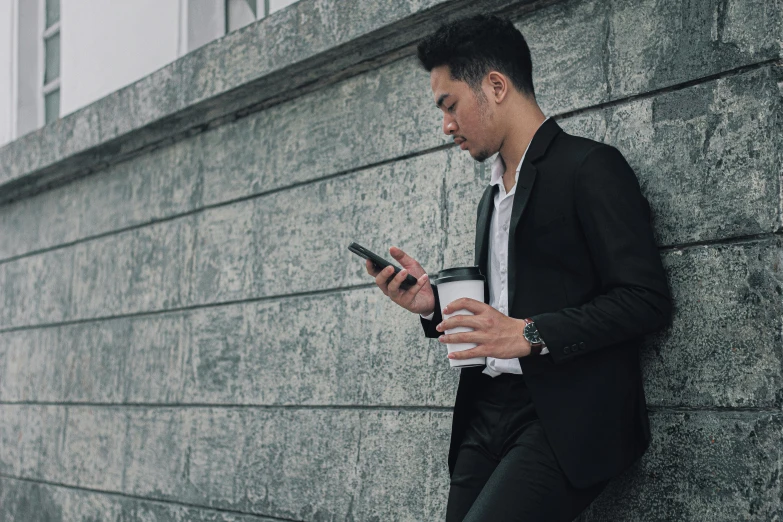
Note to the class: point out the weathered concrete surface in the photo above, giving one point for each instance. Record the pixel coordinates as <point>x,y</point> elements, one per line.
<point>724,347</point>
<point>238,251</point>
<point>37,502</point>
<point>385,114</point>
<point>701,465</point>
<point>594,51</point>
<point>300,464</point>
<point>234,355</point>
<point>274,353</point>
<point>343,348</point>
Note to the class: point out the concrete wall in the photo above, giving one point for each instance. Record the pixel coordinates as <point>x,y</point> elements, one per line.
<point>185,336</point>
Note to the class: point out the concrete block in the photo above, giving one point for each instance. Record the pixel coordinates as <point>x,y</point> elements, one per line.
<point>567,42</point>
<point>37,289</point>
<point>140,270</point>
<point>721,466</point>
<point>302,464</point>
<point>299,239</point>
<point>724,346</point>
<point>655,44</point>
<point>381,115</point>
<point>289,351</point>
<point>30,501</point>
<point>706,156</point>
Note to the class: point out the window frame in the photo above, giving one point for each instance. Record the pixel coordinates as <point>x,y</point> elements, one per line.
<point>54,85</point>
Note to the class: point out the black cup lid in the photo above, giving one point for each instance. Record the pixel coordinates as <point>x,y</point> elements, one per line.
<point>459,273</point>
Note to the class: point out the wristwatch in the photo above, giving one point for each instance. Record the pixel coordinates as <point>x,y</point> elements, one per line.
<point>532,336</point>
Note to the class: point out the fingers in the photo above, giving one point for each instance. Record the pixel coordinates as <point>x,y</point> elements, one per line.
<point>465,303</point>
<point>471,321</point>
<point>394,284</point>
<point>466,354</point>
<point>382,277</point>
<point>464,337</point>
<point>370,267</point>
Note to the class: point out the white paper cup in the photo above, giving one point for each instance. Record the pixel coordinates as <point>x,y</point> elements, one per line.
<point>454,283</point>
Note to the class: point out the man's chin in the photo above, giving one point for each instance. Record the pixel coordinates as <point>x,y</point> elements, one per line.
<point>481,156</point>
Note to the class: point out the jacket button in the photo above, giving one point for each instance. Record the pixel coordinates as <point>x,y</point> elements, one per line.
<point>574,347</point>
<point>565,350</point>
<point>581,346</point>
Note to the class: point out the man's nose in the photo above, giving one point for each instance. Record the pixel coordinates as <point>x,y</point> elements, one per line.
<point>449,125</point>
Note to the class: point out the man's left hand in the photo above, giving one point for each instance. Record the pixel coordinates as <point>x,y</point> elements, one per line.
<point>495,334</point>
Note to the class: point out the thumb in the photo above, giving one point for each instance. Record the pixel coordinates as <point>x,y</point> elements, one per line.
<point>404,259</point>
<point>397,253</point>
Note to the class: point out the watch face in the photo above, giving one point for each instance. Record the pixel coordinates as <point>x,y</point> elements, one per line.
<point>531,334</point>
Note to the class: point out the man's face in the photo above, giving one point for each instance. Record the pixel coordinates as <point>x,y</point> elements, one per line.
<point>465,116</point>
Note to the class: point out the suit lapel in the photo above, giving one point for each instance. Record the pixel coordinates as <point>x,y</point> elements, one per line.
<point>483,222</point>
<point>527,177</point>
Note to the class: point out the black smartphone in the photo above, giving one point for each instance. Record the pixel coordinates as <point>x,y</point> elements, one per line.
<point>380,263</point>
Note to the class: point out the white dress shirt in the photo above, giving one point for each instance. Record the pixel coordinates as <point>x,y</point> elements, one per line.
<point>498,258</point>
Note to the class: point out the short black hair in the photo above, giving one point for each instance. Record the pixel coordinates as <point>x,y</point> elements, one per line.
<point>473,46</point>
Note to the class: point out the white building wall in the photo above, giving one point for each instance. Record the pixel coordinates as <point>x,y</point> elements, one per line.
<point>7,98</point>
<point>108,45</point>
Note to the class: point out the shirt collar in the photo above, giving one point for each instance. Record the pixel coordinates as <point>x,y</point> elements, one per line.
<point>498,168</point>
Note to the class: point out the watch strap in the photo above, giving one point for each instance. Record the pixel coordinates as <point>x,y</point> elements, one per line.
<point>537,347</point>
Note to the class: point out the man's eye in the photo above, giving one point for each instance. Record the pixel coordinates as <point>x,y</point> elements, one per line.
<point>452,107</point>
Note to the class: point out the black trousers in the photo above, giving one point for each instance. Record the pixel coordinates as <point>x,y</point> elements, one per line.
<point>506,470</point>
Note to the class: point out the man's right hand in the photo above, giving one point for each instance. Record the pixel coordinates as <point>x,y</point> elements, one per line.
<point>419,298</point>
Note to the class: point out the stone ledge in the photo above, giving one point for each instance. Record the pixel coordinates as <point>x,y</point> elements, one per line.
<point>299,49</point>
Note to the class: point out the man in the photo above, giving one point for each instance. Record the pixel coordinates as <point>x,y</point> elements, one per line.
<point>574,281</point>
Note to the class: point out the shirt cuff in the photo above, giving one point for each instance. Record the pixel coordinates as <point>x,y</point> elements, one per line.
<point>428,317</point>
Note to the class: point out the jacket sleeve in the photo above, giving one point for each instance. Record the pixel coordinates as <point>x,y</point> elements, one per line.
<point>634,299</point>
<point>429,326</point>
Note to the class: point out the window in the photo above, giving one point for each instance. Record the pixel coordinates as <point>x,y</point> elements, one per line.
<point>240,13</point>
<point>51,61</point>
<point>206,20</point>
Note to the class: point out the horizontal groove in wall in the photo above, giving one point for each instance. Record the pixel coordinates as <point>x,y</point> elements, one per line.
<point>361,407</point>
<point>325,291</point>
<point>150,500</point>
<point>424,152</point>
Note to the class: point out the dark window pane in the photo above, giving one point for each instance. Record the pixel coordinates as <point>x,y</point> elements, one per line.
<point>52,12</point>
<point>52,105</point>
<point>52,49</point>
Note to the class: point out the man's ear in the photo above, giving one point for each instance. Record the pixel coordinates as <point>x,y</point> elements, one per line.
<point>499,84</point>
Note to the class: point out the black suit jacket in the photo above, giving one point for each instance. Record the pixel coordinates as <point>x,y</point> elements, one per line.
<point>584,265</point>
